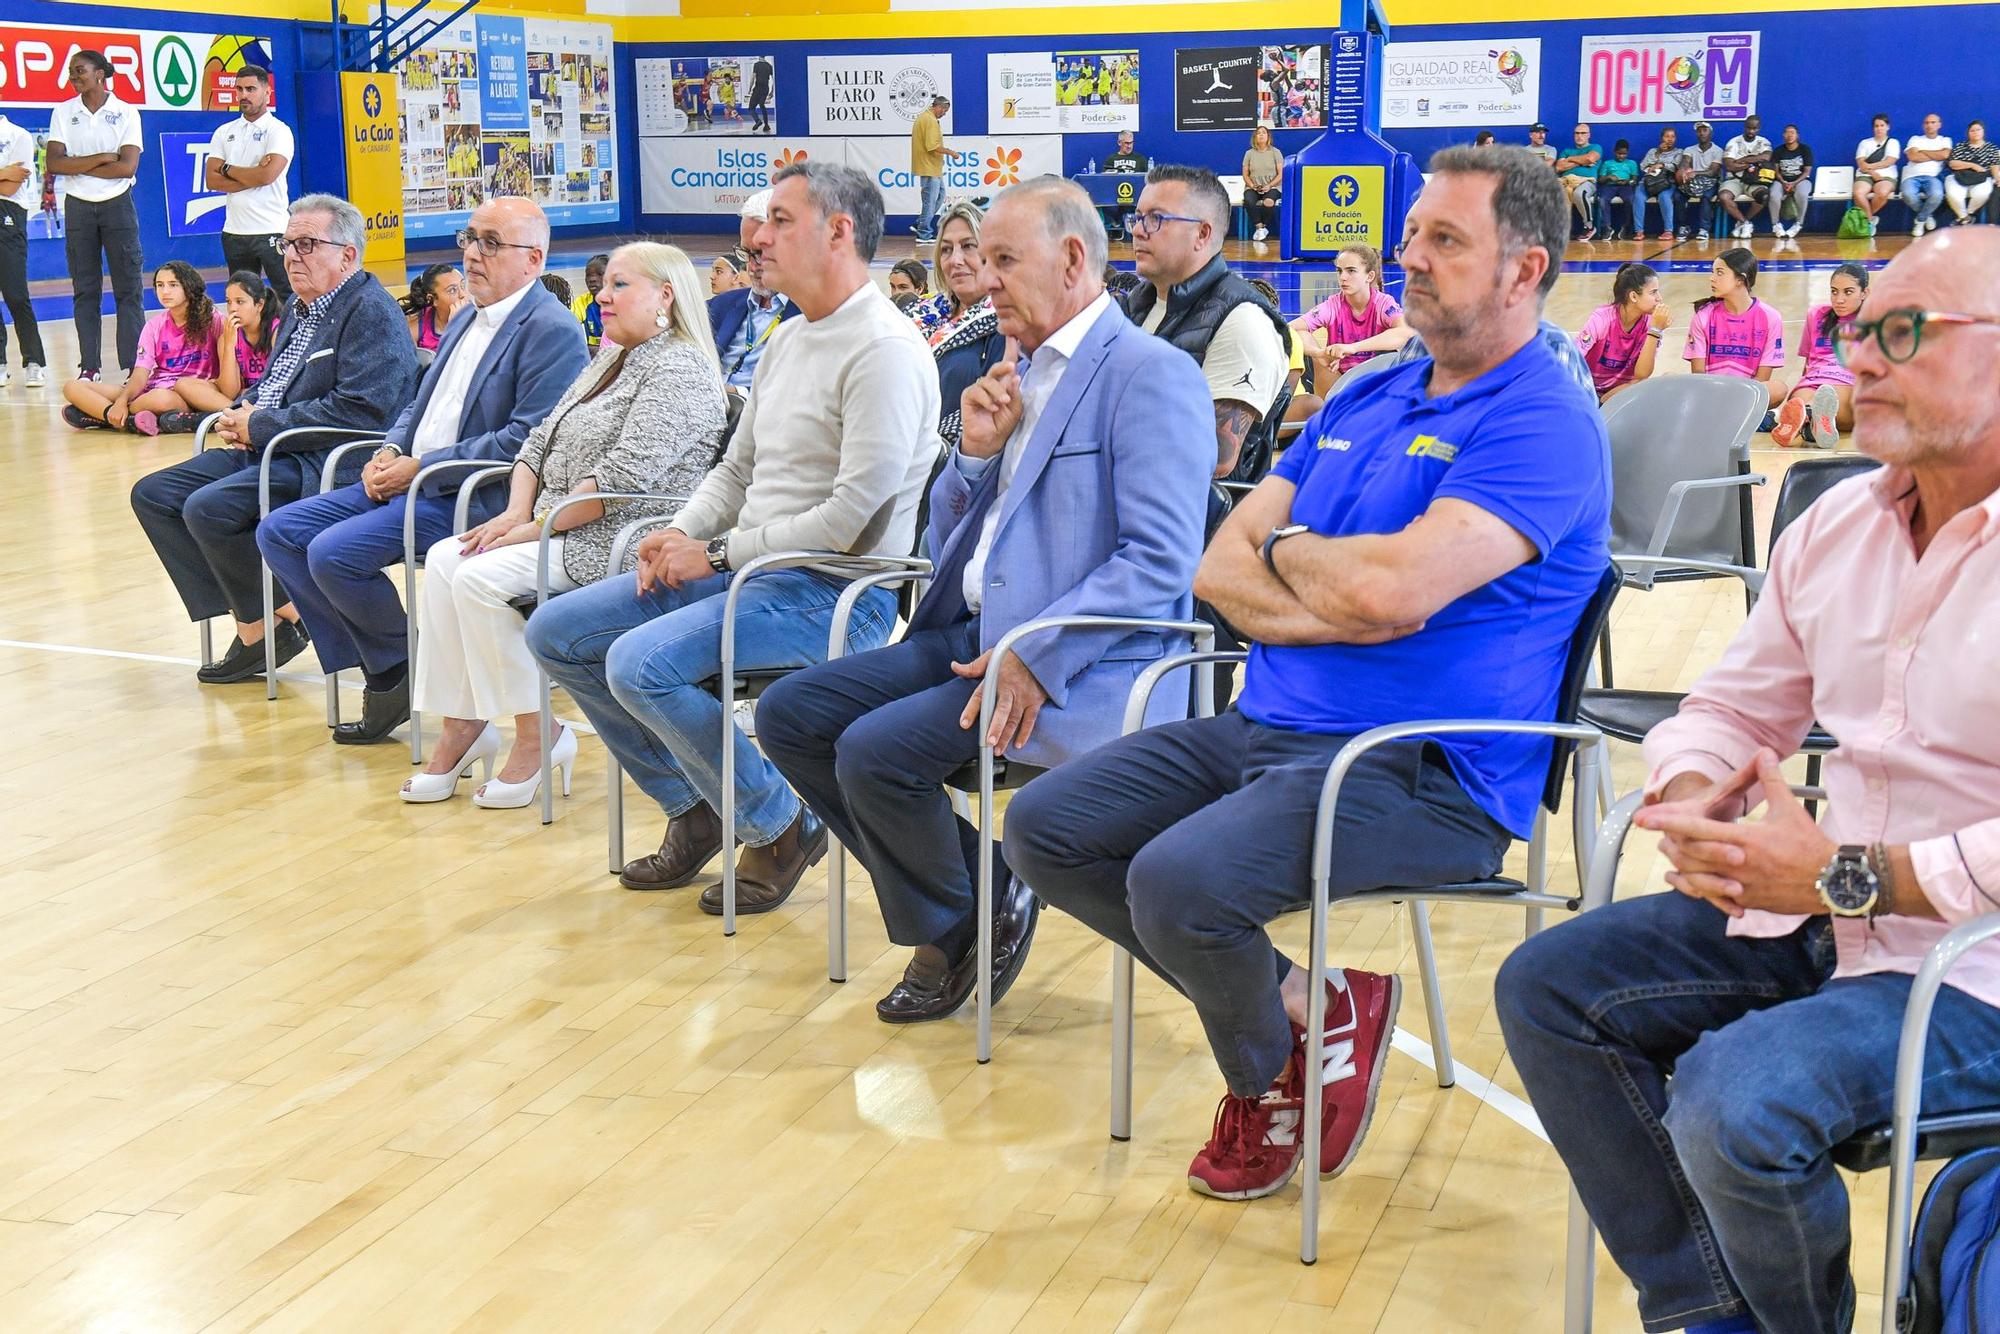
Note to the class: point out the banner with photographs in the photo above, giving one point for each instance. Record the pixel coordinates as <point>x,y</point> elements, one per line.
<point>698,174</point>
<point>1063,91</point>
<point>500,106</point>
<point>875,94</point>
<point>1461,83</point>
<point>151,69</point>
<point>1668,76</point>
<point>1241,87</point>
<point>707,95</point>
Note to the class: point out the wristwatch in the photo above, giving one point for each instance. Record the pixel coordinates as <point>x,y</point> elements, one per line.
<point>718,553</point>
<point>1849,886</point>
<point>1278,535</point>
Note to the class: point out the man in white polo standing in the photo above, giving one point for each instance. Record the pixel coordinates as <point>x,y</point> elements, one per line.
<point>94,148</point>
<point>247,160</point>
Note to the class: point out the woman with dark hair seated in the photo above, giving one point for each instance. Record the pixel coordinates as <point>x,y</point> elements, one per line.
<point>435,296</point>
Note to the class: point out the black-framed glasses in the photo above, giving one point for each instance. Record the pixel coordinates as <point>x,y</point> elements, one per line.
<point>1149,223</point>
<point>1897,334</point>
<point>749,257</point>
<point>489,245</point>
<point>303,246</point>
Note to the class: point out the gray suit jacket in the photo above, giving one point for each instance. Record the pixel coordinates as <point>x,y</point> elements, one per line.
<point>359,372</point>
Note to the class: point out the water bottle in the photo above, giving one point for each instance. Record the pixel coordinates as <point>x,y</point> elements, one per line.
<point>1090,166</point>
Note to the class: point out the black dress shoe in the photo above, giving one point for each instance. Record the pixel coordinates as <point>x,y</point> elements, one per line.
<point>932,988</point>
<point>244,661</point>
<point>382,712</point>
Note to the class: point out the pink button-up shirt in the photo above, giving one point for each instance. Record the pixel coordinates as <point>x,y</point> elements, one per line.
<point>1896,657</point>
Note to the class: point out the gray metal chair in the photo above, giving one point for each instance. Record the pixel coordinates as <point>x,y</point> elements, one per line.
<point>1574,744</point>
<point>481,472</point>
<point>1899,1145</point>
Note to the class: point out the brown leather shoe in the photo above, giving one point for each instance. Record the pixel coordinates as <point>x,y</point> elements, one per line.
<point>766,876</point>
<point>932,989</point>
<point>693,838</point>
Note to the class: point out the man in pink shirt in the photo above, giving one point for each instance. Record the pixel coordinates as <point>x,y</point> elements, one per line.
<point>1771,986</point>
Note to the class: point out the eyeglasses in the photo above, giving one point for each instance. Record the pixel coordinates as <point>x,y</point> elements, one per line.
<point>303,246</point>
<point>1149,224</point>
<point>1898,334</point>
<point>489,245</point>
<point>750,258</point>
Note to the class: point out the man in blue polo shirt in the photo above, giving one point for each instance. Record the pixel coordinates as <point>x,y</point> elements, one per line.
<point>1424,548</point>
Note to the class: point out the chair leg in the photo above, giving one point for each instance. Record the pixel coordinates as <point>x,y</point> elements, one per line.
<point>207,643</point>
<point>548,722</point>
<point>1580,1269</point>
<point>1812,780</point>
<point>1604,655</point>
<point>614,809</point>
<point>270,640</point>
<point>729,797</point>
<point>836,912</point>
<point>410,640</point>
<point>1420,923</point>
<point>1583,824</point>
<point>1607,796</point>
<point>333,699</point>
<point>1315,1074</point>
<point>1121,1043</point>
<point>984,907</point>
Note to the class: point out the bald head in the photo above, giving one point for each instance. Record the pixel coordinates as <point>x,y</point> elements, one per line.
<point>517,232</point>
<point>1044,250</point>
<point>1941,406</point>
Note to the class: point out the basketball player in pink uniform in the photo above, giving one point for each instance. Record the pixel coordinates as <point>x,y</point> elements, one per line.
<point>1355,323</point>
<point>1734,333</point>
<point>1822,404</point>
<point>1621,340</point>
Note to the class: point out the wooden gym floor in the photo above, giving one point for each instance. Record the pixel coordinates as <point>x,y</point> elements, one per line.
<point>278,1051</point>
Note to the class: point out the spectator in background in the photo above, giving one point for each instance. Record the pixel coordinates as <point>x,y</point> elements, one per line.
<point>1303,404</point>
<point>1659,179</point>
<point>177,343</point>
<point>1618,185</point>
<point>1263,170</point>
<point>1924,156</point>
<point>558,288</point>
<point>1621,341</point>
<point>1821,405</point>
<point>910,277</point>
<point>1875,161</point>
<point>1357,322</point>
<point>760,99</point>
<point>1538,143</point>
<point>18,198</point>
<point>1744,163</point>
<point>725,274</point>
<point>1735,333</point>
<point>1578,170</point>
<point>1974,165</point>
<point>585,307</point>
<point>1484,139</point>
<point>1127,158</point>
<point>247,330</point>
<point>1793,162</point>
<point>744,320</point>
<point>247,160</point>
<point>1701,177</point>
<point>927,155</point>
<point>93,153</point>
<point>959,322</point>
<point>437,294</point>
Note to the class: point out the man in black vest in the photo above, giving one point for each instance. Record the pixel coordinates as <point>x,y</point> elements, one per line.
<point>1213,315</point>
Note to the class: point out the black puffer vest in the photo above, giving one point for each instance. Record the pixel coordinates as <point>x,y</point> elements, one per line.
<point>1195,310</point>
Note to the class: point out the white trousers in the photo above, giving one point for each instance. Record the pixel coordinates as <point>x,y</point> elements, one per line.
<point>1966,200</point>
<point>472,648</point>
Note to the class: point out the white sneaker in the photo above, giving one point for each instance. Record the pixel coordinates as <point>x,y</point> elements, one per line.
<point>1260,234</point>
<point>1874,225</point>
<point>6,377</point>
<point>1930,223</point>
<point>37,377</point>
<point>1826,417</point>
<point>1917,230</point>
<point>746,717</point>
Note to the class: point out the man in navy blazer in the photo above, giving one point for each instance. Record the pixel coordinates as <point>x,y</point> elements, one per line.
<point>744,318</point>
<point>342,360</point>
<point>1080,487</point>
<point>498,372</point>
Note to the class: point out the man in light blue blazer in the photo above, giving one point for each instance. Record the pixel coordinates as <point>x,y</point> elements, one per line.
<point>1080,488</point>
<point>497,374</point>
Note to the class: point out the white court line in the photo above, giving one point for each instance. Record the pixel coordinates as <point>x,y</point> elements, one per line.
<point>1478,1085</point>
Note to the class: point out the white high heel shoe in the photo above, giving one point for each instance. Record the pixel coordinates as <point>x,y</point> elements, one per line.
<point>485,749</point>
<point>495,795</point>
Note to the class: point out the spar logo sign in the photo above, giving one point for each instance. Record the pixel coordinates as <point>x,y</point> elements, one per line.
<point>174,74</point>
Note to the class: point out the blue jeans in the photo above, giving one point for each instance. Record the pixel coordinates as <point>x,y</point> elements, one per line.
<point>1665,199</point>
<point>1694,1082</point>
<point>329,553</point>
<point>1182,842</point>
<point>1697,214</point>
<point>1923,194</point>
<point>1617,192</point>
<point>636,664</point>
<point>930,204</point>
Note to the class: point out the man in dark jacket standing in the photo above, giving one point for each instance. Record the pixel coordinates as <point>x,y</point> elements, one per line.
<point>343,360</point>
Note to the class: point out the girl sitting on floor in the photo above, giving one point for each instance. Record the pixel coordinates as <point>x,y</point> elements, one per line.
<point>176,344</point>
<point>1734,333</point>
<point>1822,406</point>
<point>243,340</point>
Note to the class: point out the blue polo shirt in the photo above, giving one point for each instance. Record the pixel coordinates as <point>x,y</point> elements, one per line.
<point>1522,442</point>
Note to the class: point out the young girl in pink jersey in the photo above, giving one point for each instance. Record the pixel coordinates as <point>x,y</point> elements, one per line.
<point>1733,333</point>
<point>244,333</point>
<point>1822,406</point>
<point>176,343</point>
<point>1355,323</point>
<point>1621,340</point>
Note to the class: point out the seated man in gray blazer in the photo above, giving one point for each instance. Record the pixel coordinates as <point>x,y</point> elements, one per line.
<point>1080,488</point>
<point>498,372</point>
<point>343,359</point>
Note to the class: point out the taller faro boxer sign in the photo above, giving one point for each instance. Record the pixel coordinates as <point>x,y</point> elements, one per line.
<point>875,94</point>
<point>1668,76</point>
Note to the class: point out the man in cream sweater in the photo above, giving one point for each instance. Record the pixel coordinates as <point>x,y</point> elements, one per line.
<point>831,454</point>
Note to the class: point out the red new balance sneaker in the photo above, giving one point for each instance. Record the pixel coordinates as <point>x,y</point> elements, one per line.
<point>1354,1050</point>
<point>1256,1147</point>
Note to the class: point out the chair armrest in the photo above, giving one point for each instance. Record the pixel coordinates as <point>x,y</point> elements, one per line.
<point>1141,693</point>
<point>1752,579</point>
<point>1611,835</point>
<point>1201,632</point>
<point>636,528</point>
<point>548,535</point>
<point>773,561</point>
<point>332,465</point>
<point>1670,512</point>
<point>201,430</point>
<point>843,610</point>
<point>461,510</point>
<point>294,441</point>
<point>417,486</point>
